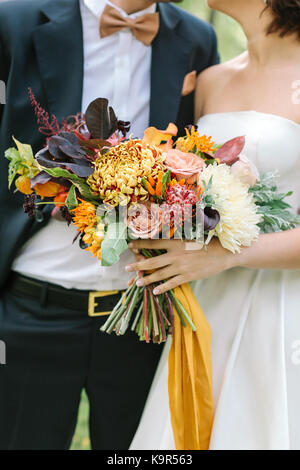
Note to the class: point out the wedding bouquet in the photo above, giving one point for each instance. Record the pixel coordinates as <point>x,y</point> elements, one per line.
<point>115,189</point>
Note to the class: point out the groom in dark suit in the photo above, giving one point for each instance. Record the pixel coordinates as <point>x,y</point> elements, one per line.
<point>70,52</point>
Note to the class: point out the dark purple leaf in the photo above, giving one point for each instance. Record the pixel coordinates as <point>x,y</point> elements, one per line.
<point>230,151</point>
<point>101,119</point>
<point>60,146</point>
<point>70,136</point>
<point>95,143</point>
<point>64,151</point>
<point>40,178</point>
<point>82,168</point>
<point>71,150</point>
<point>124,127</point>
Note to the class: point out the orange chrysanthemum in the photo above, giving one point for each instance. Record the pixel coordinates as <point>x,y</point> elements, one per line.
<point>193,140</point>
<point>119,173</point>
<point>89,224</point>
<point>84,216</point>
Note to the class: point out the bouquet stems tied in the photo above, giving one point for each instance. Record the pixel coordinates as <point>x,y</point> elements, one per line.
<point>150,316</point>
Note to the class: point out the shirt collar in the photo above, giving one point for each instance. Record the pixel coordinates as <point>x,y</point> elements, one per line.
<point>97,7</point>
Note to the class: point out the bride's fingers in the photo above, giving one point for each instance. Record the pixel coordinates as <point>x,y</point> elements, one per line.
<point>157,276</point>
<point>150,263</point>
<point>169,285</point>
<point>131,281</point>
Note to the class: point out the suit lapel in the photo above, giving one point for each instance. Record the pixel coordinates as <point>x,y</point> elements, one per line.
<point>170,63</point>
<point>59,47</point>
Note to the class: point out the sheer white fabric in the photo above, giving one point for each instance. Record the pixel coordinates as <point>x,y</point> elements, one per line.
<point>255,320</point>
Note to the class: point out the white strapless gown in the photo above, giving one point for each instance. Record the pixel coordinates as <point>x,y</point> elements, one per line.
<point>254,317</point>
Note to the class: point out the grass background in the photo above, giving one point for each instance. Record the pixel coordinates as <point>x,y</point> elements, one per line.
<point>231,43</point>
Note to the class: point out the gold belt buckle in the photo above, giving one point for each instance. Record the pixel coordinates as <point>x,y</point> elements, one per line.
<point>93,304</point>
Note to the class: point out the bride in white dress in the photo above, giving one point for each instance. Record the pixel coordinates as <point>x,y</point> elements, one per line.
<point>252,300</point>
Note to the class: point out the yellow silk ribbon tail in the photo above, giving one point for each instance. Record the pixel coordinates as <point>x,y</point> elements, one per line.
<point>190,377</point>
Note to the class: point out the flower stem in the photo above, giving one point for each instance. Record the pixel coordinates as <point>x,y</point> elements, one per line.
<point>179,306</point>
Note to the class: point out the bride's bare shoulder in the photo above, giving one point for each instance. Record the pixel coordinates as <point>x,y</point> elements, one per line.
<point>213,77</point>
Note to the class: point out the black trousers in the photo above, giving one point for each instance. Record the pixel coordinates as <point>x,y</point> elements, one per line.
<point>52,354</point>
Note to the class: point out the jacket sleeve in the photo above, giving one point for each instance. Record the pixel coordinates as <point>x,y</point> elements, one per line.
<point>206,54</point>
<point>3,76</point>
<point>214,58</point>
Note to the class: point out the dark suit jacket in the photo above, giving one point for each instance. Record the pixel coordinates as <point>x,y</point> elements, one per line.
<point>41,46</point>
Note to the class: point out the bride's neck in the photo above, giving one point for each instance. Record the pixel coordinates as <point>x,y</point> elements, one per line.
<point>266,49</point>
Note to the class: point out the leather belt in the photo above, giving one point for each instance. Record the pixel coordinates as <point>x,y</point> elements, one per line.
<point>95,303</point>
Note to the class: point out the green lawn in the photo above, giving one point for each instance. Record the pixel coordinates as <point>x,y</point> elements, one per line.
<point>231,43</point>
<point>81,439</point>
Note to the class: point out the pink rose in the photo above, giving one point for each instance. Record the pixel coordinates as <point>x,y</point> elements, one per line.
<point>184,165</point>
<point>144,220</point>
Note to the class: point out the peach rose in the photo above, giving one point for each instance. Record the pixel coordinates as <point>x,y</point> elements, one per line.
<point>144,220</point>
<point>184,165</point>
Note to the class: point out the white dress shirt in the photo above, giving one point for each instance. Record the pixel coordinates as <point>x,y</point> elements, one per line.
<point>117,67</point>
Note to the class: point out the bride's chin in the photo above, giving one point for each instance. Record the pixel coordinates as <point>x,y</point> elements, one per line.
<point>212,3</point>
<point>224,6</point>
<point>215,4</point>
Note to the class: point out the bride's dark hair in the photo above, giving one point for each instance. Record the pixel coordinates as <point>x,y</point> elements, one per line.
<point>286,17</point>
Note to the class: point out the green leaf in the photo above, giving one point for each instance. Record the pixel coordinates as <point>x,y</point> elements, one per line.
<point>26,153</point>
<point>80,183</point>
<point>12,154</point>
<point>277,215</point>
<point>15,164</point>
<point>114,243</point>
<point>71,201</point>
<point>144,182</point>
<point>165,180</point>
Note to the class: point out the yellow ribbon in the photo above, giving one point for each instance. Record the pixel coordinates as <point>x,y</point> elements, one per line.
<point>190,377</point>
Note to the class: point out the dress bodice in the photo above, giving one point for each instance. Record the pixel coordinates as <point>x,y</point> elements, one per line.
<point>272,143</point>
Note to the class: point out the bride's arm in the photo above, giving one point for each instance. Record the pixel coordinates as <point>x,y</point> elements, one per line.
<point>180,265</point>
<point>273,251</point>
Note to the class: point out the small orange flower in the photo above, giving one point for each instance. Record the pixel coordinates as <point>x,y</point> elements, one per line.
<point>84,216</point>
<point>193,139</point>
<point>155,188</point>
<point>88,223</point>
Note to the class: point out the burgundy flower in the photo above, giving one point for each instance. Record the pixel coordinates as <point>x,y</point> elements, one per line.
<point>29,205</point>
<point>66,214</point>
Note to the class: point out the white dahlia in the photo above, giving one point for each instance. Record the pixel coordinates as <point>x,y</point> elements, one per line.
<point>238,212</point>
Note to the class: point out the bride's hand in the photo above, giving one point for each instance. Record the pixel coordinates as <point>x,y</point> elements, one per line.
<point>180,264</point>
